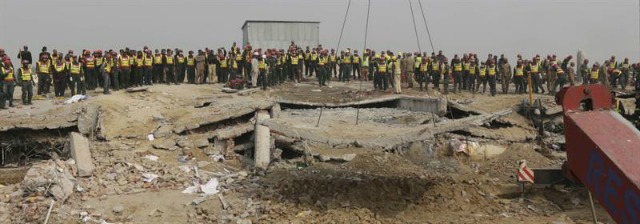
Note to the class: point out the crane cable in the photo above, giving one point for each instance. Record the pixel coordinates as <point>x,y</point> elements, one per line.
<point>414,25</point>
<point>426,25</point>
<point>344,21</point>
<point>366,32</point>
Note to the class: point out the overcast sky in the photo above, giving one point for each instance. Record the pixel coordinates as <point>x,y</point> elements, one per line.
<point>600,28</point>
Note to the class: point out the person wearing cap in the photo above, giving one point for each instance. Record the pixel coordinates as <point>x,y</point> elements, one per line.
<point>347,60</point>
<point>434,72</point>
<point>364,65</point>
<point>191,68</point>
<point>295,62</point>
<point>201,61</point>
<point>76,77</point>
<point>445,71</point>
<point>313,62</point>
<point>7,82</point>
<point>472,75</point>
<point>625,68</point>
<point>333,59</point>
<point>584,71</point>
<point>223,67</point>
<point>492,72</point>
<point>458,70</point>
<point>147,75</point>
<point>356,64</point>
<point>138,70</point>
<point>25,81</point>
<point>518,77</point>
<point>261,80</point>
<point>99,59</point>
<point>379,79</point>
<point>255,69</point>
<point>90,69</point>
<point>506,73</point>
<point>323,71</point>
<point>212,65</point>
<point>482,78</point>
<point>44,68</point>
<point>25,55</point>
<point>158,66</point>
<point>170,66</point>
<point>605,72</point>
<point>535,69</point>
<point>122,77</point>
<point>108,70</point>
<point>181,61</point>
<point>59,77</point>
<point>44,52</point>
<point>397,73</point>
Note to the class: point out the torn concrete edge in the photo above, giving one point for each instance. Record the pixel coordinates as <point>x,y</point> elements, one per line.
<point>441,106</point>
<point>238,113</point>
<point>419,133</point>
<point>85,121</point>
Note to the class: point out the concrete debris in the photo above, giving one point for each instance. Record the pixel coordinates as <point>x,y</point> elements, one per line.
<point>199,200</point>
<point>164,131</point>
<point>167,144</point>
<point>262,141</point>
<point>81,153</point>
<point>201,142</point>
<point>151,157</point>
<point>225,204</point>
<point>337,158</point>
<point>88,119</point>
<point>137,89</point>
<point>49,178</point>
<point>118,209</point>
<point>247,92</point>
<point>229,90</point>
<point>149,177</point>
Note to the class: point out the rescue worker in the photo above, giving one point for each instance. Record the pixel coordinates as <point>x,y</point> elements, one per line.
<point>307,62</point>
<point>397,73</point>
<point>625,68</point>
<point>518,77</point>
<point>465,71</point>
<point>571,74</point>
<point>323,71</point>
<point>98,59</point>
<point>122,76</point>
<point>313,62</point>
<point>458,75</point>
<point>356,64</point>
<point>347,59</point>
<point>109,70</point>
<point>416,66</point>
<point>191,68</point>
<point>223,71</point>
<point>407,66</point>
<point>138,70</point>
<point>295,63</point>
<point>180,67</point>
<point>201,61</point>
<point>561,78</point>
<point>272,63</point>
<point>506,73</point>
<point>536,77</point>
<point>89,63</point>
<point>482,78</point>
<point>170,68</point>
<point>380,80</point>
<point>584,71</point>
<point>44,69</point>
<point>158,67</point>
<point>76,77</point>
<point>333,58</point>
<point>421,74</point>
<point>261,79</point>
<point>59,77</point>
<point>594,74</point>
<point>212,62</point>
<point>445,71</point>
<point>435,72</point>
<point>25,77</point>
<point>148,68</point>
<point>7,75</point>
<point>25,54</point>
<point>492,71</point>
<point>233,69</point>
<point>473,73</point>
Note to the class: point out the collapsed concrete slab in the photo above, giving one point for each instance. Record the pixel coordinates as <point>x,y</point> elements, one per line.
<point>81,153</point>
<point>51,178</point>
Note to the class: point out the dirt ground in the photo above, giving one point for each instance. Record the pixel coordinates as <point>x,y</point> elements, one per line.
<point>422,184</point>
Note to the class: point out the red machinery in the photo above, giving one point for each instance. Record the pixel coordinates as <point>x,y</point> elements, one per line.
<point>603,150</point>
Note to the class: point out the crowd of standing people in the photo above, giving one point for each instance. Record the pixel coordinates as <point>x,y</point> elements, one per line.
<point>115,70</point>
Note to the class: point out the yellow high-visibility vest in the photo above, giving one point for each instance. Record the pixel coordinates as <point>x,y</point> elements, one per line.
<point>294,60</point>
<point>262,65</point>
<point>9,75</point>
<point>234,64</point>
<point>595,74</point>
<point>99,61</point>
<point>75,69</point>
<point>519,71</point>
<point>59,68</point>
<point>26,74</point>
<point>170,60</point>
<point>157,60</point>
<point>44,67</point>
<point>418,62</point>
<point>148,61</point>
<point>465,66</point>
<point>191,61</point>
<point>90,61</point>
<point>457,67</point>
<point>139,62</point>
<point>613,64</point>
<point>492,70</point>
<point>397,67</point>
<point>322,61</point>
<point>356,60</point>
<point>423,67</point>
<point>332,58</point>
<point>124,62</point>
<point>534,68</point>
<point>223,63</point>
<point>435,66</point>
<point>346,60</point>
<point>314,56</point>
<point>180,59</point>
<point>483,71</point>
<point>472,69</point>
<point>238,57</point>
<point>382,67</point>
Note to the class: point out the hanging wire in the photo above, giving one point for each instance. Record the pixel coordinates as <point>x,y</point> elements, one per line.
<point>366,32</point>
<point>414,25</point>
<point>344,21</point>
<point>426,25</point>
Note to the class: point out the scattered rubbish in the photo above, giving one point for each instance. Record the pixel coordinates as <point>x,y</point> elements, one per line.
<point>316,90</point>
<point>151,157</point>
<point>118,209</point>
<point>199,200</point>
<point>217,158</point>
<point>185,168</point>
<point>229,90</point>
<point>156,212</point>
<point>209,188</point>
<point>151,137</point>
<point>183,159</point>
<point>224,203</point>
<point>148,177</point>
<point>136,89</point>
<point>75,99</point>
<point>138,167</point>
